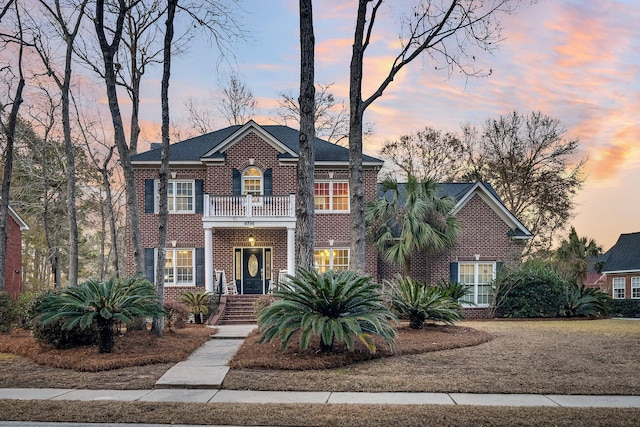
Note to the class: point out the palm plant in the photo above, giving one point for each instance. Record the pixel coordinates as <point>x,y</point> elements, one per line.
<point>421,302</point>
<point>583,301</point>
<point>573,255</point>
<point>333,306</point>
<point>403,222</point>
<point>116,300</point>
<point>198,302</point>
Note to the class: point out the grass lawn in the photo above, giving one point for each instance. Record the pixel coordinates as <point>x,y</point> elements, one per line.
<point>563,357</point>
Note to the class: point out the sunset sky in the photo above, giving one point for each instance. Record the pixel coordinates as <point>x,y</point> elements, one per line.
<point>574,60</point>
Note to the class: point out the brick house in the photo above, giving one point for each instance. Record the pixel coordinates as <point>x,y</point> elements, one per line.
<point>13,267</point>
<point>232,205</point>
<point>621,268</point>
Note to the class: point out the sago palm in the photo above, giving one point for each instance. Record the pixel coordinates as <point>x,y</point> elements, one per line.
<point>198,302</point>
<point>419,302</point>
<point>333,306</point>
<point>116,300</point>
<point>409,218</point>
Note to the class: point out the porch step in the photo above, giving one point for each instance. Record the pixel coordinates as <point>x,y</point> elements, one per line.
<point>239,310</point>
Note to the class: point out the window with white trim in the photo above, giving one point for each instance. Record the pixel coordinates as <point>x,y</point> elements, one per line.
<point>336,259</point>
<point>477,277</point>
<point>180,196</point>
<point>252,181</point>
<point>331,196</point>
<point>179,267</point>
<point>635,287</point>
<point>619,287</point>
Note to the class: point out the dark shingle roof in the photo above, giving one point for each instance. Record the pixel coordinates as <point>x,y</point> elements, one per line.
<point>194,149</point>
<point>624,255</point>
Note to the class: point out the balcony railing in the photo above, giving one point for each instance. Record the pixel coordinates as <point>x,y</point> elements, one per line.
<point>250,206</point>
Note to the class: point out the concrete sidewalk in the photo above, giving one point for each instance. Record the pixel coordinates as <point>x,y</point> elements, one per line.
<point>322,397</point>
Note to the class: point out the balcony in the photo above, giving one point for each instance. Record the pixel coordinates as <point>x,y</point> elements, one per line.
<point>249,210</point>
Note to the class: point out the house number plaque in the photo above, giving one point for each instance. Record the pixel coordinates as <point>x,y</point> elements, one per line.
<point>253,265</point>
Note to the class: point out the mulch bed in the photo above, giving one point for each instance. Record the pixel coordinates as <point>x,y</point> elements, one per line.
<point>134,348</point>
<point>254,355</point>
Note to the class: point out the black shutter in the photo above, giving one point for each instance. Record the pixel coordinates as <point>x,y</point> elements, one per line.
<point>149,264</point>
<point>149,193</point>
<point>236,182</point>
<point>453,272</point>
<point>499,267</point>
<point>268,182</point>
<point>199,192</point>
<point>199,266</point>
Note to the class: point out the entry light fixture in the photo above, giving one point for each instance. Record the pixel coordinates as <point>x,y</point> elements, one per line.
<point>252,240</point>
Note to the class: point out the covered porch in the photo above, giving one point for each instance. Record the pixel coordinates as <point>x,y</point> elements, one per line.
<point>250,237</point>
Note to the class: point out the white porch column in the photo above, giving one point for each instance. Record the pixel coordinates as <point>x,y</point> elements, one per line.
<point>291,251</point>
<point>208,259</point>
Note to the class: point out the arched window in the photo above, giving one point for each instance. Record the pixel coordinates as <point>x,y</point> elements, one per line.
<point>252,181</point>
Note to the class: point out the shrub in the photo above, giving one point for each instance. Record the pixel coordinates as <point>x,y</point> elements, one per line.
<point>56,335</point>
<point>625,308</point>
<point>583,301</point>
<point>456,291</point>
<point>105,303</point>
<point>532,290</point>
<point>176,314</point>
<point>339,307</point>
<point>419,302</point>
<point>262,302</point>
<point>198,303</point>
<point>8,311</point>
<point>25,303</point>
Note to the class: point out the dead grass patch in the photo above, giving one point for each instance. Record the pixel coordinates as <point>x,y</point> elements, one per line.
<point>269,355</point>
<point>132,348</point>
<point>313,415</point>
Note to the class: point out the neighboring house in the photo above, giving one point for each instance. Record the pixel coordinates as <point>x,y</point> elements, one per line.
<point>232,208</point>
<point>13,266</point>
<point>489,236</point>
<point>621,268</point>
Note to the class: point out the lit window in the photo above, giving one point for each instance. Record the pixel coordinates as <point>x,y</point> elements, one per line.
<point>252,181</point>
<point>326,259</point>
<point>331,196</point>
<point>635,287</point>
<point>477,277</point>
<point>619,286</point>
<point>178,267</point>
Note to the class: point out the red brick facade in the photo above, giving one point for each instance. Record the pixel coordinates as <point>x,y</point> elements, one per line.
<point>628,277</point>
<point>332,229</point>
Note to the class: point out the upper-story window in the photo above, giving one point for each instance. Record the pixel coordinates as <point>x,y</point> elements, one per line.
<point>180,196</point>
<point>331,196</point>
<point>252,181</point>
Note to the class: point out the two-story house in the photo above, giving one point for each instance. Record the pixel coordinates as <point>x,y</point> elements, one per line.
<point>232,208</point>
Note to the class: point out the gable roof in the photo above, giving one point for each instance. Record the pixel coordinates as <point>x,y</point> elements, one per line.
<point>624,256</point>
<point>462,192</point>
<point>212,146</point>
<point>17,218</point>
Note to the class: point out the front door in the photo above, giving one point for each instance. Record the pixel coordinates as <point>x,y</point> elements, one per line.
<point>252,271</point>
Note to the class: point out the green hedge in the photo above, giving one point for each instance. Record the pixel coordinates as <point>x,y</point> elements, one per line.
<point>625,308</point>
<point>8,311</point>
<point>534,290</point>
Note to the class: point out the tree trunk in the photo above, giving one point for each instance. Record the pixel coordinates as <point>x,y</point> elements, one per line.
<point>357,261</point>
<point>158,322</point>
<point>105,335</point>
<point>108,53</point>
<point>305,213</point>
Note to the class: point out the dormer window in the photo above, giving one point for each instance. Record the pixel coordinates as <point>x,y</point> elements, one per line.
<point>252,181</point>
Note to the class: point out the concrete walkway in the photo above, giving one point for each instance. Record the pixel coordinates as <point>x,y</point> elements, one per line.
<point>200,376</point>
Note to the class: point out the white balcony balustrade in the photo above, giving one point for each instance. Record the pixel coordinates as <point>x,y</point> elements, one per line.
<point>249,206</point>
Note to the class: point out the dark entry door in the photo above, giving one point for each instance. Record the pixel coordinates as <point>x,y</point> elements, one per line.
<point>252,270</point>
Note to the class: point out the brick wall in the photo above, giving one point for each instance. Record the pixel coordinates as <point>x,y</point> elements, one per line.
<point>13,266</point>
<point>608,287</point>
